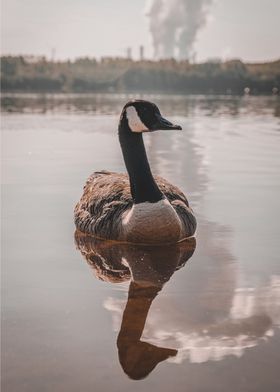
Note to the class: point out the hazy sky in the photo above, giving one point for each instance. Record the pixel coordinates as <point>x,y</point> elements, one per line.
<point>247,29</point>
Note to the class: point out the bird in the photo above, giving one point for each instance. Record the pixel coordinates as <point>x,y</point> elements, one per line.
<point>136,207</point>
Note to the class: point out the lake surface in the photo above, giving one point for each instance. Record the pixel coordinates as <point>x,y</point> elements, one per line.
<point>82,315</point>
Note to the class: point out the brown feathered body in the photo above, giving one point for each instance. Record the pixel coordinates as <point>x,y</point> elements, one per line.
<point>107,201</point>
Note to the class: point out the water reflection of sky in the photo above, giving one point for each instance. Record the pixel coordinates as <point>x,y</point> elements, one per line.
<point>252,318</point>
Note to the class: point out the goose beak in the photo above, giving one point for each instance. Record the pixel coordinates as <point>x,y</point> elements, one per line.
<point>163,124</point>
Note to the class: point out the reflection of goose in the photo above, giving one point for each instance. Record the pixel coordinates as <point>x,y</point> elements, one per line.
<point>137,208</point>
<point>149,269</point>
<point>243,328</point>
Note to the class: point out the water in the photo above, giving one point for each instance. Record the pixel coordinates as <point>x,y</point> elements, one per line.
<point>84,315</point>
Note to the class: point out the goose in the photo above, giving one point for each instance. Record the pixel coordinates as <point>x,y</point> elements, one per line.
<point>136,207</point>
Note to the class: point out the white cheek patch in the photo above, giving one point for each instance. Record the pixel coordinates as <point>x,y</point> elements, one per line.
<point>134,121</point>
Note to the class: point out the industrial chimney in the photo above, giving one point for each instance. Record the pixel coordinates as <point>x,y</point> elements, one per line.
<point>141,52</point>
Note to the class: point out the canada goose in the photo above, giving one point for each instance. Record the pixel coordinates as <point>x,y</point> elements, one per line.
<point>137,207</point>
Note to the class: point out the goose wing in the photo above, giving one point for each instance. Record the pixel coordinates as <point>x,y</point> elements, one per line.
<point>107,196</point>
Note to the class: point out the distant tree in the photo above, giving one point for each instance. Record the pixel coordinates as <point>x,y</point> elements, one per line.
<point>19,73</point>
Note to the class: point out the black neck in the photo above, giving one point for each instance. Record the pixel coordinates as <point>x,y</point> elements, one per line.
<point>142,184</point>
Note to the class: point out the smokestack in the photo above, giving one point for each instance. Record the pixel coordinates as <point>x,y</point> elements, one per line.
<point>53,52</point>
<point>174,25</point>
<point>128,53</point>
<point>141,53</point>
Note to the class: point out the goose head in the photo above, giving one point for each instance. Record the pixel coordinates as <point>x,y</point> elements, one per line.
<point>143,116</point>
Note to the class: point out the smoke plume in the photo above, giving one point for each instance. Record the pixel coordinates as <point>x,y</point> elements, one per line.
<point>174,25</point>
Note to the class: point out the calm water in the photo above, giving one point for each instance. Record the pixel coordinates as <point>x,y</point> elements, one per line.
<point>81,315</point>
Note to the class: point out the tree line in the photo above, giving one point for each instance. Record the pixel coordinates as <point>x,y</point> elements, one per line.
<point>84,75</point>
